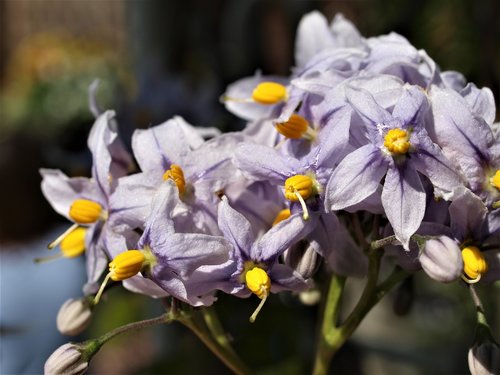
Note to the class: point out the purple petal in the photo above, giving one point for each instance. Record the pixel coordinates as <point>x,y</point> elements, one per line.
<point>461,137</point>
<point>364,104</point>
<point>468,216</point>
<point>110,158</point>
<point>61,191</point>
<point>356,177</point>
<point>331,239</point>
<point>185,252</point>
<point>313,36</point>
<point>142,285</point>
<point>403,197</point>
<point>411,106</point>
<point>430,161</point>
<point>159,226</point>
<point>160,146</point>
<point>265,163</point>
<point>235,227</point>
<point>281,236</point>
<point>345,33</point>
<point>285,278</point>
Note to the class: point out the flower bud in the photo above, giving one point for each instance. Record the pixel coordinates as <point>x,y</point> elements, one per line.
<point>441,259</point>
<point>302,258</point>
<point>66,360</point>
<point>484,359</point>
<point>74,316</point>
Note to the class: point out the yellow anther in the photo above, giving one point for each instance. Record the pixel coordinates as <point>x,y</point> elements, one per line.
<point>258,281</point>
<point>299,188</point>
<point>282,215</point>
<point>397,142</point>
<point>177,175</point>
<point>124,266</point>
<point>295,128</point>
<point>474,264</point>
<point>84,211</point>
<point>301,184</point>
<point>495,179</point>
<point>73,244</point>
<point>269,93</point>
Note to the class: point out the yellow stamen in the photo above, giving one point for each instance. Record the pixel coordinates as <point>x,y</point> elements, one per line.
<point>269,93</point>
<point>495,179</point>
<point>299,183</point>
<point>295,128</point>
<point>282,215</point>
<point>259,283</point>
<point>73,244</point>
<point>298,188</point>
<point>397,142</point>
<point>474,264</point>
<point>124,266</point>
<point>84,211</point>
<point>177,175</point>
<point>61,237</point>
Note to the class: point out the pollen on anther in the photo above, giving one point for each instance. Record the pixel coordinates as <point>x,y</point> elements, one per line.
<point>269,93</point>
<point>258,281</point>
<point>176,174</point>
<point>126,265</point>
<point>295,128</point>
<point>73,244</point>
<point>84,211</point>
<point>474,262</point>
<point>282,215</point>
<point>495,179</point>
<point>300,184</point>
<point>396,141</point>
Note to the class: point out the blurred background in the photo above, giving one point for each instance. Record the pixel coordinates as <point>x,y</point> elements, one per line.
<point>156,59</point>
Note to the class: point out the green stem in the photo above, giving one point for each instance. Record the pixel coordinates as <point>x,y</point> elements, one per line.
<point>228,357</point>
<point>91,347</point>
<point>215,327</point>
<point>330,315</point>
<point>332,336</point>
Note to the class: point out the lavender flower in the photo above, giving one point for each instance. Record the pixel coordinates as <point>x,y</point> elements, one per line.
<point>399,148</point>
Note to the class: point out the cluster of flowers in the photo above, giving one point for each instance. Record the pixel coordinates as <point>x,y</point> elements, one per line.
<point>365,128</point>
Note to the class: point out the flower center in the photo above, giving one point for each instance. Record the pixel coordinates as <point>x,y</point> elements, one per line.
<point>282,215</point>
<point>84,211</point>
<point>176,174</point>
<point>495,179</point>
<point>397,142</point>
<point>269,93</point>
<point>474,264</point>
<point>259,283</point>
<point>295,128</point>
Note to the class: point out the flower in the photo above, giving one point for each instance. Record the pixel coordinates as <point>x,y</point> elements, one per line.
<point>74,316</point>
<point>66,360</point>
<point>399,148</point>
<point>87,201</point>
<point>441,259</point>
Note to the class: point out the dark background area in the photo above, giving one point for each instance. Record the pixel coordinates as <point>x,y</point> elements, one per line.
<point>156,59</point>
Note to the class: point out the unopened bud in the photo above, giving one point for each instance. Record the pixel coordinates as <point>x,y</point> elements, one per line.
<point>66,360</point>
<point>302,258</point>
<point>441,259</point>
<point>74,316</point>
<point>484,359</point>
